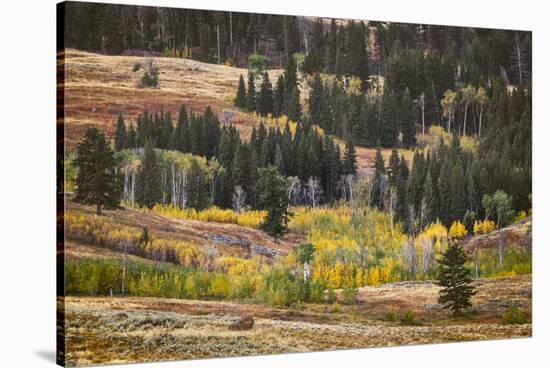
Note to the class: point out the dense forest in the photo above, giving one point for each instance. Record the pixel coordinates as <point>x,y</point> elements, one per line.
<point>458,100</point>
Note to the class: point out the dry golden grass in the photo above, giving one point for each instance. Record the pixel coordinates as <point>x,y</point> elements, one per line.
<point>124,330</point>
<point>97,87</point>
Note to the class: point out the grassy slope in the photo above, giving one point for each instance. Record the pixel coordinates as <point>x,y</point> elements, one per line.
<point>98,87</point>
<point>196,232</point>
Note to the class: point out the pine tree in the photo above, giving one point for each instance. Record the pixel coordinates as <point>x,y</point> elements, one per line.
<point>279,97</point>
<point>148,191</point>
<point>388,128</point>
<point>393,168</point>
<point>293,109</point>
<point>272,196</point>
<point>97,182</point>
<point>265,97</point>
<point>181,133</point>
<point>251,96</point>
<point>197,193</point>
<point>316,100</point>
<point>350,159</point>
<point>120,134</point>
<point>240,99</point>
<point>379,179</point>
<point>455,279</point>
<point>428,198</point>
<point>407,120</point>
<point>131,137</point>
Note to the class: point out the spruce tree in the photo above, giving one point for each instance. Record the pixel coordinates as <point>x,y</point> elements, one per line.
<point>350,159</point>
<point>455,279</point>
<point>265,97</point>
<point>379,179</point>
<point>120,134</point>
<point>181,133</point>
<point>388,129</point>
<point>272,196</point>
<point>293,109</point>
<point>197,193</point>
<point>316,101</point>
<point>240,99</point>
<point>148,191</point>
<point>279,97</point>
<point>97,182</point>
<point>251,96</point>
<point>131,137</point>
<point>407,120</point>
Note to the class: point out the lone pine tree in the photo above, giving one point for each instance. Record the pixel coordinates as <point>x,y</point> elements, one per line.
<point>97,182</point>
<point>455,279</point>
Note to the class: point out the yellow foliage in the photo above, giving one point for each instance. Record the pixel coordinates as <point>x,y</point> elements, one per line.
<point>457,230</point>
<point>484,227</point>
<point>213,214</point>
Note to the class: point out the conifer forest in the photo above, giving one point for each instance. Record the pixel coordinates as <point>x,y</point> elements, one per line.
<point>240,184</point>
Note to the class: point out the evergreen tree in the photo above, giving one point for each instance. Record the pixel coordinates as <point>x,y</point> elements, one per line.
<point>455,279</point>
<point>265,97</point>
<point>393,168</point>
<point>407,120</point>
<point>350,159</point>
<point>388,128</point>
<point>272,196</point>
<point>97,182</point>
<point>131,137</point>
<point>279,97</point>
<point>379,179</point>
<point>251,96</point>
<point>428,199</point>
<point>120,134</point>
<point>240,99</point>
<point>293,109</point>
<point>316,101</point>
<point>197,193</point>
<point>181,133</point>
<point>148,191</point>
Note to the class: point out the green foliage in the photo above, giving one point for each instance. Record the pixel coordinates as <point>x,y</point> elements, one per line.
<point>272,196</point>
<point>97,181</point>
<point>349,295</point>
<point>257,64</point>
<point>408,319</point>
<point>389,316</point>
<point>455,279</point>
<point>514,316</point>
<point>137,67</point>
<point>240,99</point>
<point>151,77</point>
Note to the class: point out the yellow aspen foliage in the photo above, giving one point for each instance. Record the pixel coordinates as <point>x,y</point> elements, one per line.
<point>457,230</point>
<point>484,227</point>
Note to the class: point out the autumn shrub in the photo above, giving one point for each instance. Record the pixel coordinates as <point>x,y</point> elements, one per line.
<point>408,319</point>
<point>250,218</point>
<point>514,316</point>
<point>349,295</point>
<point>390,316</point>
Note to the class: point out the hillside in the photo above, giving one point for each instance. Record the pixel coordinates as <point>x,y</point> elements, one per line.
<point>518,234</point>
<point>99,87</point>
<point>227,239</point>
